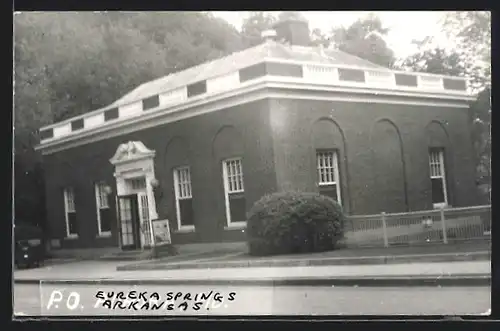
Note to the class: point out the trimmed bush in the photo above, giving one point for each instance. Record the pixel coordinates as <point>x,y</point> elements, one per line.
<point>294,222</point>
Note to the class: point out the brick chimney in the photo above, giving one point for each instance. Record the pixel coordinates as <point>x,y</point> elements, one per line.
<point>294,31</point>
<point>269,35</point>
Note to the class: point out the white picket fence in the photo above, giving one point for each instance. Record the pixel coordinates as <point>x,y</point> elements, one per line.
<point>439,225</point>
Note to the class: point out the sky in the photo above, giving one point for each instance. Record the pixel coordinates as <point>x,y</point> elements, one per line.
<point>404,25</point>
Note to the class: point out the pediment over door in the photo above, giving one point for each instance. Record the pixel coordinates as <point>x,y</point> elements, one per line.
<point>132,150</point>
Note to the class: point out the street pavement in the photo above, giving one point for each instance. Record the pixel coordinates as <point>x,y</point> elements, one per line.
<point>249,300</point>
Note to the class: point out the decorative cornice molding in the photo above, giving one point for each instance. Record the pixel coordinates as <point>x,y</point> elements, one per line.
<point>131,151</point>
<point>254,90</point>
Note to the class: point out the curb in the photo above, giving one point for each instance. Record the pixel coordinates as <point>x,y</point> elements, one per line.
<point>394,259</point>
<point>391,281</point>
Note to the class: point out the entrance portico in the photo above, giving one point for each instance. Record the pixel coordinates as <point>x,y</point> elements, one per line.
<point>134,174</point>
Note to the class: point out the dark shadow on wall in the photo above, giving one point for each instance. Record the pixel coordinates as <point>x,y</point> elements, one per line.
<point>177,154</point>
<point>227,144</point>
<point>389,170</point>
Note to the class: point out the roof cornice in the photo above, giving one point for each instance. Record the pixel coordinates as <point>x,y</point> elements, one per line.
<point>257,89</point>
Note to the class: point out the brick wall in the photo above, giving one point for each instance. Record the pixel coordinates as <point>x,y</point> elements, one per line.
<point>202,142</point>
<point>383,156</point>
<point>384,163</point>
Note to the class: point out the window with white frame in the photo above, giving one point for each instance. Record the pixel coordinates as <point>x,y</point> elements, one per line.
<point>183,197</point>
<point>233,176</point>
<point>328,173</point>
<point>103,210</point>
<point>438,177</point>
<point>70,212</point>
<point>232,172</point>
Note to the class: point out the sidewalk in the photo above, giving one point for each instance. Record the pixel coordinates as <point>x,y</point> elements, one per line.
<point>450,273</point>
<point>474,251</point>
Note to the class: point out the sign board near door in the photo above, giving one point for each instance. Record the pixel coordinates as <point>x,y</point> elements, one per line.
<point>161,230</point>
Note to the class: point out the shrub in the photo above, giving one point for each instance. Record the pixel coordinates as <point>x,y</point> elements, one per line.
<point>294,222</point>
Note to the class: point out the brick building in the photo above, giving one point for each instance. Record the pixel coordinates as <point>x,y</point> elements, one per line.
<point>200,146</point>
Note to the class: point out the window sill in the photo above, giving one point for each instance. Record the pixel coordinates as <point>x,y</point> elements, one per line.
<point>104,235</point>
<point>236,226</point>
<point>186,229</point>
<point>71,237</point>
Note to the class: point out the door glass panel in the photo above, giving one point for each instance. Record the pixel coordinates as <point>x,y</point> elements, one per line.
<point>126,221</point>
<point>144,214</point>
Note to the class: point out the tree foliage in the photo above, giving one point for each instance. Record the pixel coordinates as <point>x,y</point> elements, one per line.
<point>253,26</point>
<point>290,15</point>
<point>470,31</point>
<point>259,21</point>
<point>481,134</point>
<point>365,39</point>
<point>436,60</point>
<point>319,38</point>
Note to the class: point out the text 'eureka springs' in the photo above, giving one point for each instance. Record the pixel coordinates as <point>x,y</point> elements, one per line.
<point>144,300</point>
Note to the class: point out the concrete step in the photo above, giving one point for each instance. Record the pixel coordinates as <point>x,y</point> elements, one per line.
<point>81,254</point>
<point>127,256</point>
<point>310,262</point>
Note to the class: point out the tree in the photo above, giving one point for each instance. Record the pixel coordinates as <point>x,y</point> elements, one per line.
<point>188,38</point>
<point>70,63</point>
<point>365,39</point>
<point>290,15</point>
<point>436,60</point>
<point>480,111</point>
<point>470,31</point>
<point>254,25</point>
<point>319,38</point>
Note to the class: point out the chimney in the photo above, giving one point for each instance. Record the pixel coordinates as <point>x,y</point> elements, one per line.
<point>294,31</point>
<point>268,35</point>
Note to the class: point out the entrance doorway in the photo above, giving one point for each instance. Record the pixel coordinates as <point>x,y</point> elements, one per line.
<point>129,222</point>
<point>134,173</point>
<point>136,188</point>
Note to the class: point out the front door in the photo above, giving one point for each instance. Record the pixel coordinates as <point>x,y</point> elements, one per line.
<point>129,222</point>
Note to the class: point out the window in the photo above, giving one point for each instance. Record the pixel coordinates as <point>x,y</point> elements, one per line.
<point>137,184</point>
<point>103,210</point>
<point>328,174</point>
<point>234,176</point>
<point>438,178</point>
<point>232,172</point>
<point>183,198</point>
<point>70,213</point>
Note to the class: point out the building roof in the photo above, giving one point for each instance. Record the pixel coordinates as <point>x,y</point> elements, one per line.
<point>242,59</point>
<point>249,75</point>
